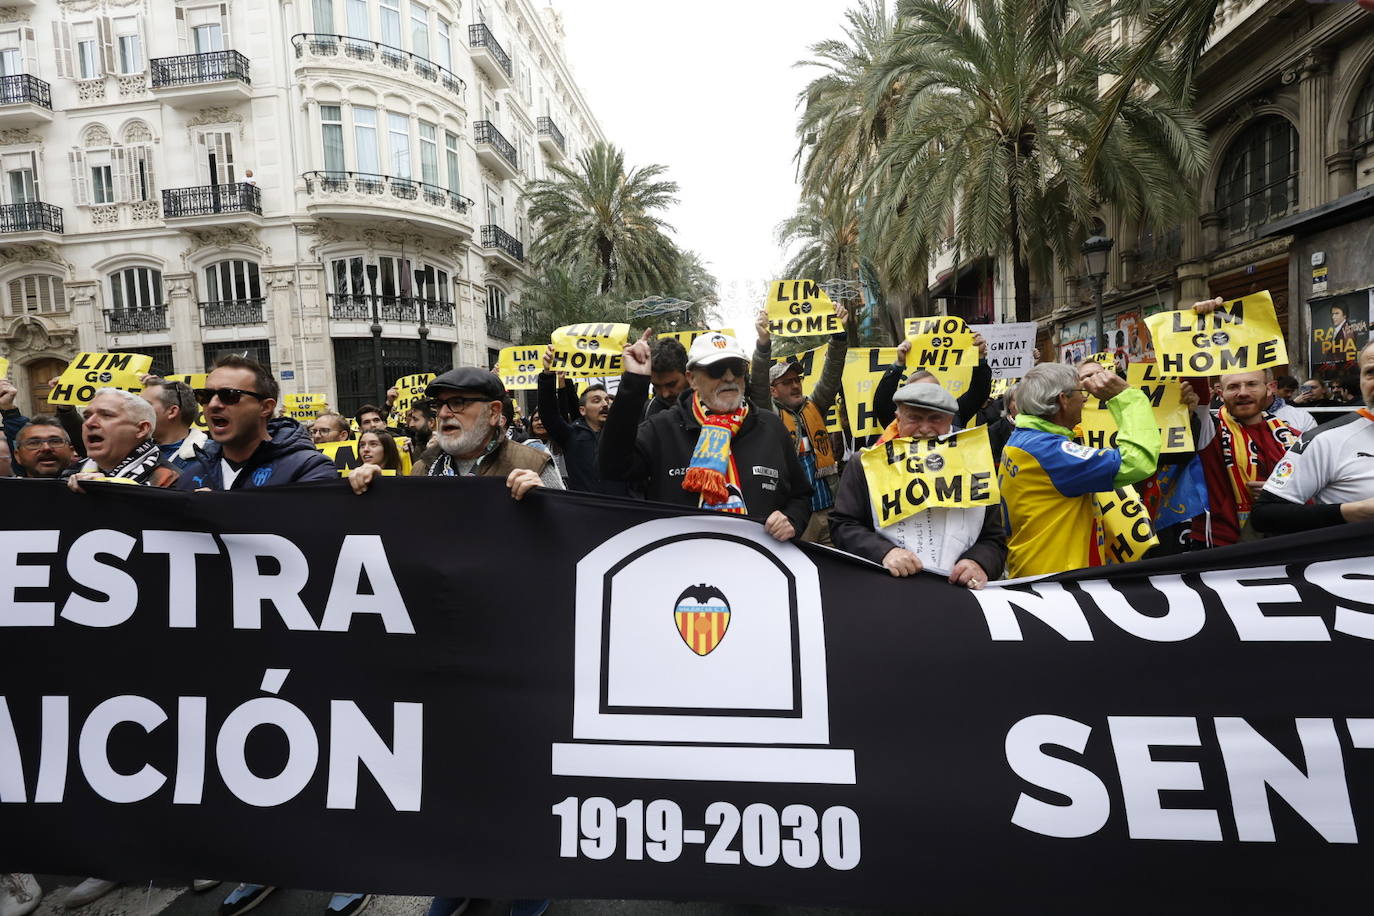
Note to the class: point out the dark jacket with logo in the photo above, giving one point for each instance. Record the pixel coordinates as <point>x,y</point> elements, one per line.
<point>580,443</point>
<point>287,457</point>
<point>658,452</point>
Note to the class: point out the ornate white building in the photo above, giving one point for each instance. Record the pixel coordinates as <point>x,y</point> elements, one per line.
<point>188,177</point>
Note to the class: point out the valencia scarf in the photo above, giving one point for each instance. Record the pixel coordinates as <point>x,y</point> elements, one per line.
<point>712,471</point>
<point>1240,454</point>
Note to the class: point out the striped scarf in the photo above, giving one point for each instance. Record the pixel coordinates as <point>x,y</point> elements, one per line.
<point>712,471</point>
<point>1240,454</point>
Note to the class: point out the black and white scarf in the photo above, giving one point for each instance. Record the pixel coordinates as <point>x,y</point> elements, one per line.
<point>137,466</point>
<point>445,465</point>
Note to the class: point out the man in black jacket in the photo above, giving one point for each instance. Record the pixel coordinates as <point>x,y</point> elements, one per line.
<point>580,440</point>
<point>711,449</point>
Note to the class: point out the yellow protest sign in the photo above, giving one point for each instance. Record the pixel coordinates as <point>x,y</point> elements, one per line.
<point>943,347</point>
<point>585,350</point>
<point>1166,400</point>
<point>1108,361</point>
<point>811,362</point>
<point>346,457</point>
<point>1242,335</point>
<point>799,308</point>
<point>409,390</point>
<point>303,407</point>
<point>863,368</point>
<point>89,372</point>
<point>1125,531</point>
<point>4,367</point>
<point>907,476</point>
<point>686,337</point>
<point>519,367</point>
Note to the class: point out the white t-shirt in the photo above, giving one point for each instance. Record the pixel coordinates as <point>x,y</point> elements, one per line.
<point>228,473</point>
<point>1333,464</point>
<point>1295,417</point>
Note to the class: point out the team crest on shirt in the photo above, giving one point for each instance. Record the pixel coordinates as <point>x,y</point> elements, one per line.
<point>702,615</point>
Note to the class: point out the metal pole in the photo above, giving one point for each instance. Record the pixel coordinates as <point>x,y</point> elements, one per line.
<point>1097,301</point>
<point>424,327</point>
<point>376,335</point>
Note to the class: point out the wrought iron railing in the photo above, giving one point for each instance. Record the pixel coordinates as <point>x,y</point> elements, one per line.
<point>126,321</point>
<point>206,200</point>
<point>498,329</point>
<point>385,185</point>
<point>496,237</point>
<point>188,69</point>
<point>347,307</point>
<point>549,129</point>
<point>479,36</point>
<point>230,312</point>
<point>22,88</point>
<point>486,132</point>
<point>322,45</point>
<point>35,216</point>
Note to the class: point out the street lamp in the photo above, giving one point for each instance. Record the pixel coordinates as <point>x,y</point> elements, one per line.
<point>424,326</point>
<point>1095,252</point>
<point>376,334</point>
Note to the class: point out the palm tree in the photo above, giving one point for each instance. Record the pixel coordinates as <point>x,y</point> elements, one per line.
<point>597,211</point>
<point>994,118</point>
<point>560,295</point>
<point>696,284</point>
<point>827,229</point>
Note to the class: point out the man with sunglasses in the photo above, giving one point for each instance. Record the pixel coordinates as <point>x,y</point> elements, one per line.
<point>712,449</point>
<point>250,448</point>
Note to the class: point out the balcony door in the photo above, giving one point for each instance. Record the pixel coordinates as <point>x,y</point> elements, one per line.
<point>21,179</point>
<point>204,29</point>
<point>215,157</point>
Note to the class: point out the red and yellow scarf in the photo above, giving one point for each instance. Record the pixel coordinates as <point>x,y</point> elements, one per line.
<point>1240,453</point>
<point>712,471</point>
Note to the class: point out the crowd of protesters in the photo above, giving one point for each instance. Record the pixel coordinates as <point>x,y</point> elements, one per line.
<point>713,427</point>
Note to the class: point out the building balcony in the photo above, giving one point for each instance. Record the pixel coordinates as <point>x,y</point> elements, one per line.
<point>494,150</point>
<point>31,221</point>
<point>18,4</point>
<point>363,197</point>
<point>398,309</point>
<point>489,56</point>
<point>551,139</point>
<point>25,101</point>
<point>197,80</point>
<point>498,329</point>
<point>132,321</point>
<point>213,205</point>
<point>229,313</point>
<point>503,247</point>
<point>358,54</point>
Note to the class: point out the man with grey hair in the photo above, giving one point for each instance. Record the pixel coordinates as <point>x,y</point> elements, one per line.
<point>118,433</point>
<point>1048,480</point>
<point>174,405</point>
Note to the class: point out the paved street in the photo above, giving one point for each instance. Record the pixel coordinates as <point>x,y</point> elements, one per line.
<point>181,901</point>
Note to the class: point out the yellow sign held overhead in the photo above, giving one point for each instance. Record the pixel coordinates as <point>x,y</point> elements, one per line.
<point>303,407</point>
<point>800,308</point>
<point>686,337</point>
<point>1166,400</point>
<point>409,390</point>
<point>907,476</point>
<point>587,350</point>
<point>1241,336</point>
<point>89,372</point>
<point>863,369</point>
<point>943,347</point>
<point>519,367</point>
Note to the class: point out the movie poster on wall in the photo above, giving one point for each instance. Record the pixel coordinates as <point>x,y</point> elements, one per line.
<point>1339,329</point>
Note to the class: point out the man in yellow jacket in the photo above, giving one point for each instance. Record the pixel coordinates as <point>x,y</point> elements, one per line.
<point>1048,480</point>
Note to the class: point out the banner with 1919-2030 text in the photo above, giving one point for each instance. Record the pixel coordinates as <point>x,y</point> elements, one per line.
<point>434,689</point>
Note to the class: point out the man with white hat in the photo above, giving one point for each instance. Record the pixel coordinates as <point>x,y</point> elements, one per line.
<point>712,449</point>
<point>968,542</point>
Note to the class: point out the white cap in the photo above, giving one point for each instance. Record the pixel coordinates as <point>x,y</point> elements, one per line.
<point>714,347</point>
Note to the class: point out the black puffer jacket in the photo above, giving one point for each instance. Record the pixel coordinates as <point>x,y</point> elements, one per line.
<point>287,457</point>
<point>658,452</point>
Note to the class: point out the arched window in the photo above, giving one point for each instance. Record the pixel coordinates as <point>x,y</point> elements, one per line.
<point>35,294</point>
<point>1362,123</point>
<point>1259,176</point>
<point>233,294</point>
<point>136,301</point>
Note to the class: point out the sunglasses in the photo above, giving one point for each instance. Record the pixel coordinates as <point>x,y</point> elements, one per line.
<point>227,396</point>
<point>716,370</point>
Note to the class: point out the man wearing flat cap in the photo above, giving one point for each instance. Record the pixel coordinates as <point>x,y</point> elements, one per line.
<point>969,542</point>
<point>712,449</point>
<point>804,416</point>
<point>468,441</point>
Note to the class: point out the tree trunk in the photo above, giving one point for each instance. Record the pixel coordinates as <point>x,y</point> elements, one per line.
<point>606,250</point>
<point>1020,267</point>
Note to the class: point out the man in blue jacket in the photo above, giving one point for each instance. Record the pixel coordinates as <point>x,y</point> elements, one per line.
<point>248,447</point>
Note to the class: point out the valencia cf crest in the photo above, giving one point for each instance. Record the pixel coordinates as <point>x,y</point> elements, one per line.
<point>702,615</point>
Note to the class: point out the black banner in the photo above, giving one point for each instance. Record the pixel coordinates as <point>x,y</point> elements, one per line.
<point>434,689</point>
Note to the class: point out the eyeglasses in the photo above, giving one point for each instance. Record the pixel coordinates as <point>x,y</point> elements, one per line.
<point>458,402</point>
<point>227,396</point>
<point>50,442</point>
<point>717,370</point>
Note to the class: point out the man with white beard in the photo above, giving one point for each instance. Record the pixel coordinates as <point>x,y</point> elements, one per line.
<point>467,439</point>
<point>712,449</point>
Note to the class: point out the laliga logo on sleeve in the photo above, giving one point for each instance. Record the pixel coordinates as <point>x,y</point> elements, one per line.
<point>654,701</point>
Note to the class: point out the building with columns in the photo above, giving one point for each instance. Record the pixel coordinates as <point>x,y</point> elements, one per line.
<point>332,186</point>
<point>1286,93</point>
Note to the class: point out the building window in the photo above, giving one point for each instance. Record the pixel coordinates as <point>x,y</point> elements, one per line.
<point>35,294</point>
<point>128,44</point>
<point>87,48</point>
<point>1259,176</point>
<point>355,366</point>
<point>136,288</point>
<point>496,304</point>
<point>207,29</point>
<point>357,19</point>
<point>11,54</point>
<point>323,14</point>
<point>261,350</point>
<point>102,177</point>
<point>331,128</point>
<point>451,158</point>
<point>1362,125</point>
<point>365,140</point>
<point>431,283</point>
<point>398,138</point>
<point>163,363</point>
<point>443,46</point>
<point>21,179</point>
<point>391,23</point>
<point>232,281</point>
<point>429,154</point>
<point>419,30</point>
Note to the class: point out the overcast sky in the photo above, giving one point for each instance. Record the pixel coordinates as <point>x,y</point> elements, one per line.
<point>709,90</point>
